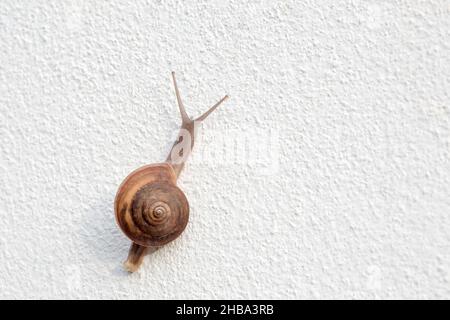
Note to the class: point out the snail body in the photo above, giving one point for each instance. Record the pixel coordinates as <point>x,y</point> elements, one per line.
<point>149,207</point>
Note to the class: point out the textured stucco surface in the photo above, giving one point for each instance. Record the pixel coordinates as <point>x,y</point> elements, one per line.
<point>351,199</point>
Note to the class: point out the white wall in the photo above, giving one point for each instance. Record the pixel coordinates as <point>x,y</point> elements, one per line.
<point>351,199</point>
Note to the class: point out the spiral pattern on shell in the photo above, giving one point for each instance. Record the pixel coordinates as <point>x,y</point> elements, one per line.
<point>150,208</point>
<point>158,210</point>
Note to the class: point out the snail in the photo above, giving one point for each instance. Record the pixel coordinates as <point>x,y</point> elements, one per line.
<point>149,206</point>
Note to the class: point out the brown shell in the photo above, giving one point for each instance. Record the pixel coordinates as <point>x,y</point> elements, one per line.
<point>150,209</point>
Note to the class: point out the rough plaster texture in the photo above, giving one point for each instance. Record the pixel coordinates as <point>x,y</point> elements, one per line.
<point>351,200</point>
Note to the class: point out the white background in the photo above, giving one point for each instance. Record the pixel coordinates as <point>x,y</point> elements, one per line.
<point>349,100</point>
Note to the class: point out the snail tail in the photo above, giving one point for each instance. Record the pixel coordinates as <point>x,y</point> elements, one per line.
<point>135,257</point>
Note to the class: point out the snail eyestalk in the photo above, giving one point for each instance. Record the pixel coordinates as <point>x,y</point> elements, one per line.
<point>214,107</point>
<point>184,115</point>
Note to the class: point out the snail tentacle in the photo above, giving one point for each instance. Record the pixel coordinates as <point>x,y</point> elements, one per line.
<point>184,116</point>
<point>214,107</point>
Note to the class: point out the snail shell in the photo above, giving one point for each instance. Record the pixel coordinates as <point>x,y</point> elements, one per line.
<point>150,209</point>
